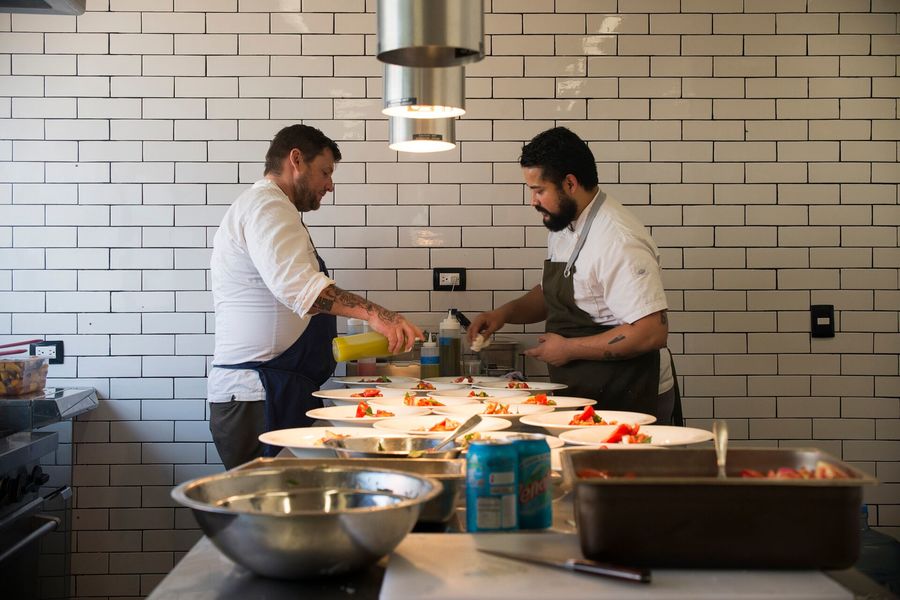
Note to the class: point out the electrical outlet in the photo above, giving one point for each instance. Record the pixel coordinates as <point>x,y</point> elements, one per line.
<point>449,279</point>
<point>52,349</point>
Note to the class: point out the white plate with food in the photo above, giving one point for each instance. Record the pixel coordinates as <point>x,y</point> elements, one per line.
<point>308,442</point>
<point>559,421</point>
<point>372,380</point>
<point>615,436</point>
<point>481,394</point>
<point>513,412</point>
<point>552,441</point>
<point>467,379</point>
<point>528,386</point>
<point>436,425</point>
<point>351,396</point>
<point>421,387</point>
<point>426,401</point>
<point>348,415</point>
<point>555,402</point>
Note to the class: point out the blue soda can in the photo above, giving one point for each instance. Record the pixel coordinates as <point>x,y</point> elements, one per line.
<point>491,486</point>
<point>535,505</point>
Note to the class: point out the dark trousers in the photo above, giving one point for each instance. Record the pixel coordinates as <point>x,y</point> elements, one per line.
<point>236,427</point>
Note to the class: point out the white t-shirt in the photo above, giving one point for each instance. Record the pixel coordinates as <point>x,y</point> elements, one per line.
<point>617,276</point>
<point>265,278</point>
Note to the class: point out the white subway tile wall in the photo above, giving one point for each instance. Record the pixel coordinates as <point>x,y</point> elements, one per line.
<point>758,141</point>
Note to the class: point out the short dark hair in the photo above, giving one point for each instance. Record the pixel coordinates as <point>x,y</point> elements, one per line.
<point>560,152</point>
<point>308,140</point>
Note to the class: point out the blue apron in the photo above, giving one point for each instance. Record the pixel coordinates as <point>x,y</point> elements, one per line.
<point>290,378</point>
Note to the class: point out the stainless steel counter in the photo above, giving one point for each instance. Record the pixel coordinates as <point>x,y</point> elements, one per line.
<point>206,574</point>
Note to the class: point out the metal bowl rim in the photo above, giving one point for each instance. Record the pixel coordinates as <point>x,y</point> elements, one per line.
<point>179,493</point>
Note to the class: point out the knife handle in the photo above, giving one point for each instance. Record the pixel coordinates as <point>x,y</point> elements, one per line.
<point>607,570</point>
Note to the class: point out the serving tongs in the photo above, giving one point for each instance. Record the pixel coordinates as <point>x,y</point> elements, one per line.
<point>14,344</point>
<point>720,435</point>
<point>467,425</point>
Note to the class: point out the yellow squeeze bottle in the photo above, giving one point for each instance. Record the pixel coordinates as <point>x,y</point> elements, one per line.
<point>362,345</point>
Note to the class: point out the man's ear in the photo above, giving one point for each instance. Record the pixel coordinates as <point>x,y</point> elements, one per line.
<point>571,182</point>
<point>295,157</point>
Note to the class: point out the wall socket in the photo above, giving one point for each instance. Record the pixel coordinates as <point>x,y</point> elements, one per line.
<point>448,279</point>
<point>52,349</point>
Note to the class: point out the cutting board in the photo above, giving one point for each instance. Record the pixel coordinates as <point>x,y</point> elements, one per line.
<point>448,567</point>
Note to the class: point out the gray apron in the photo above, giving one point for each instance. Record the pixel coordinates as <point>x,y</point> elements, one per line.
<point>630,384</point>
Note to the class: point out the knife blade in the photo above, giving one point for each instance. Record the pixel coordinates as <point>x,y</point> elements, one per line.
<point>579,565</point>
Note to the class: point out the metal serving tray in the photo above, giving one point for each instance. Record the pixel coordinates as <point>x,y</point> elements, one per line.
<point>450,472</point>
<point>674,512</point>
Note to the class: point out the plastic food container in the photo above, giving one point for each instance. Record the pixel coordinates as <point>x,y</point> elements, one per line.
<point>20,376</point>
<point>670,510</point>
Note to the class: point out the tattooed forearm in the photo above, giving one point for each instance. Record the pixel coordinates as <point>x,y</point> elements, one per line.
<point>333,294</point>
<point>616,339</point>
<point>323,304</point>
<point>612,356</point>
<point>664,317</point>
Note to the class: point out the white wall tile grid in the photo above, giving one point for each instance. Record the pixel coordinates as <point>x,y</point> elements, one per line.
<point>757,138</point>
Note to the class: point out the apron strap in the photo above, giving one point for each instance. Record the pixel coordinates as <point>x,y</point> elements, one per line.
<point>582,236</point>
<point>250,364</point>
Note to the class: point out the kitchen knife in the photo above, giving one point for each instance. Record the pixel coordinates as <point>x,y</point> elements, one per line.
<point>579,565</point>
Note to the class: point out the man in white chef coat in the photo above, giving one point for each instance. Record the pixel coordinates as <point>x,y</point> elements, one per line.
<point>601,292</point>
<point>275,303</point>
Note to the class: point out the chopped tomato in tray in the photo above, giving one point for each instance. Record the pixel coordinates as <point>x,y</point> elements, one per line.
<point>822,470</point>
<point>464,379</point>
<point>379,379</point>
<point>518,385</point>
<point>368,393</point>
<point>474,394</point>
<point>424,385</point>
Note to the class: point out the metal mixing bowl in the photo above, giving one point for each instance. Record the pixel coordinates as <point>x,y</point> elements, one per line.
<point>298,522</point>
<point>391,447</point>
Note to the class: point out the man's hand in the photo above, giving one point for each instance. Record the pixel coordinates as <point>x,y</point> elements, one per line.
<point>552,348</point>
<point>401,334</point>
<point>486,324</point>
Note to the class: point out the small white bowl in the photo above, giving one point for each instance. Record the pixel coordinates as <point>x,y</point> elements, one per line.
<point>491,395</point>
<point>352,396</point>
<point>557,422</point>
<point>346,415</point>
<point>371,380</point>
<point>562,402</point>
<point>420,425</point>
<point>306,442</point>
<point>528,386</point>
<point>466,379</point>
<point>412,387</point>
<point>660,435</point>
<point>401,401</point>
<point>516,411</point>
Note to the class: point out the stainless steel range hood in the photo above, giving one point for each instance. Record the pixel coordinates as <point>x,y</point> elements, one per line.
<point>46,7</point>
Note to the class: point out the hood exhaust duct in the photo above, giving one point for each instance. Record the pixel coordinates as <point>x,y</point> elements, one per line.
<point>422,135</point>
<point>430,33</point>
<point>43,7</point>
<point>417,93</point>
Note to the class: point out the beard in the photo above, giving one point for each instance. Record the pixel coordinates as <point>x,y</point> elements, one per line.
<point>305,198</point>
<point>562,219</point>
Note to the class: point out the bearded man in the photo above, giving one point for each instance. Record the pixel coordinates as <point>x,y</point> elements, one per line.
<point>275,303</point>
<point>601,293</point>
